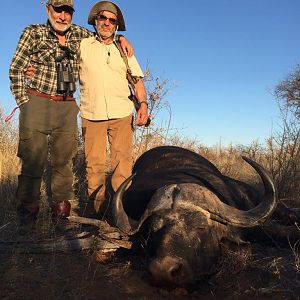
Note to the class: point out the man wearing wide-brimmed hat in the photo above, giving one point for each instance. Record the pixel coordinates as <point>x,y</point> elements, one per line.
<point>105,107</point>
<point>47,109</point>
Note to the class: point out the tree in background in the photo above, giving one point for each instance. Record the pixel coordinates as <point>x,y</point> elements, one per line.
<point>284,146</point>
<point>288,93</point>
<point>160,113</point>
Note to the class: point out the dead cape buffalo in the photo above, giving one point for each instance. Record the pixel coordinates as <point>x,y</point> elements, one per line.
<point>185,209</point>
<point>181,210</point>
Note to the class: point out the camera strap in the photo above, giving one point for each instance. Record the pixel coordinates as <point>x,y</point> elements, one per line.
<point>132,80</point>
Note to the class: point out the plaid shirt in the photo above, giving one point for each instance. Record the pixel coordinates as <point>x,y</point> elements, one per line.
<point>39,46</point>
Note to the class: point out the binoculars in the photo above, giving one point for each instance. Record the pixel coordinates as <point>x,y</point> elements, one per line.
<point>65,79</point>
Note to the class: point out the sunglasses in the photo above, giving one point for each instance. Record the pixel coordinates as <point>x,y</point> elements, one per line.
<point>103,18</point>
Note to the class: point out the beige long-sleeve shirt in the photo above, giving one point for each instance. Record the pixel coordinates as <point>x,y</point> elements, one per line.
<point>104,88</point>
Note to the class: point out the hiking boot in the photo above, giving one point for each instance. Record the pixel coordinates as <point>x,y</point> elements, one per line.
<point>60,210</point>
<point>27,216</point>
<point>59,213</point>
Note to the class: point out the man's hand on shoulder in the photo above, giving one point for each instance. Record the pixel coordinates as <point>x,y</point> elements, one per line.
<point>126,46</point>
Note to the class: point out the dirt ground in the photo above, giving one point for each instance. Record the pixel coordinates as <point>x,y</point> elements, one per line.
<point>269,273</point>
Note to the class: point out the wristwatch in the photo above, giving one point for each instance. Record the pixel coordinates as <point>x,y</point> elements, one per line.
<point>144,102</point>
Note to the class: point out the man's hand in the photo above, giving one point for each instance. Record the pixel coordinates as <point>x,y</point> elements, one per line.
<point>126,46</point>
<point>29,73</point>
<point>142,115</point>
<point>141,96</point>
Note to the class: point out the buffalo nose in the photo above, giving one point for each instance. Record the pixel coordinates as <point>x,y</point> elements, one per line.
<point>169,271</point>
<point>175,270</point>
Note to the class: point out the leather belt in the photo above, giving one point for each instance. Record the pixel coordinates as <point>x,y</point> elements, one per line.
<point>54,98</point>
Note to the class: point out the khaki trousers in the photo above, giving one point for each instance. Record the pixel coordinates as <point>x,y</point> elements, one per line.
<point>119,134</point>
<point>47,127</point>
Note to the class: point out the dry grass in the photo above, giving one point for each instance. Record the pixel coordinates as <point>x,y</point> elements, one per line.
<point>227,159</point>
<point>296,252</point>
<point>279,156</point>
<point>9,168</point>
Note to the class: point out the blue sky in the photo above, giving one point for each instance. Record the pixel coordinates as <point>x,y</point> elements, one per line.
<point>226,57</point>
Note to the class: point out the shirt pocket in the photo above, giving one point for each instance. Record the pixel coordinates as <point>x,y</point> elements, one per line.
<point>43,53</point>
<point>25,135</point>
<point>73,44</point>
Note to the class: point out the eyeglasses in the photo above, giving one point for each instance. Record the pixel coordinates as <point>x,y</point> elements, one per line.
<point>103,18</point>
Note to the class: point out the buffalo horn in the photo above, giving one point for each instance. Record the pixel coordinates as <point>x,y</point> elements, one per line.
<point>256,215</point>
<point>120,218</point>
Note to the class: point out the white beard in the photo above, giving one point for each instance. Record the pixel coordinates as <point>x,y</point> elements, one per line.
<point>60,28</point>
<point>105,35</point>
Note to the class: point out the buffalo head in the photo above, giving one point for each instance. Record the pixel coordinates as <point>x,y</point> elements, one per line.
<point>184,221</point>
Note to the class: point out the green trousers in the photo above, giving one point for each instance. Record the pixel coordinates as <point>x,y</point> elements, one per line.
<point>47,129</point>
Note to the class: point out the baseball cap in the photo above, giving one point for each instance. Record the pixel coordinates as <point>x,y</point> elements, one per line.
<point>58,3</point>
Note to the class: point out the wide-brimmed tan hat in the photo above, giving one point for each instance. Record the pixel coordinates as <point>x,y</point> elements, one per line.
<point>109,6</point>
<point>58,3</point>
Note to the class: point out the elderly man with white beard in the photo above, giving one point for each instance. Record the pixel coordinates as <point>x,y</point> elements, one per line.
<point>48,112</point>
